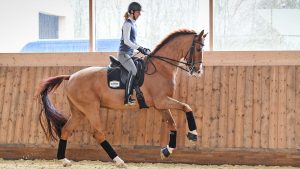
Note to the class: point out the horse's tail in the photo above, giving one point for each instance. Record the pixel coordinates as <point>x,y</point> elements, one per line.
<point>55,120</point>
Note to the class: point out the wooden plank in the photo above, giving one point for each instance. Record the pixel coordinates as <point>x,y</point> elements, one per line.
<point>248,107</point>
<point>56,59</point>
<point>164,132</point>
<point>212,58</point>
<point>291,105</point>
<point>240,102</point>
<point>7,104</point>
<point>13,116</point>
<point>141,127</point>
<point>41,139</point>
<point>231,106</point>
<point>35,124</point>
<point>118,128</point>
<point>157,127</point>
<point>149,127</point>
<point>3,72</point>
<point>273,108</point>
<point>282,108</point>
<point>257,107</point>
<point>191,92</point>
<point>206,130</point>
<point>182,124</point>
<point>222,141</point>
<point>125,129</point>
<point>199,105</point>
<point>297,113</point>
<point>251,58</point>
<point>133,127</point>
<point>20,110</point>
<point>110,124</point>
<point>205,157</point>
<point>215,107</point>
<point>26,134</point>
<point>265,114</point>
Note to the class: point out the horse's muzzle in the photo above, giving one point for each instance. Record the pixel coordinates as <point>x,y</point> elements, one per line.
<point>198,73</point>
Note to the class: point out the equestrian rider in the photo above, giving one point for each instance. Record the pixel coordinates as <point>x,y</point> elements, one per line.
<point>127,46</point>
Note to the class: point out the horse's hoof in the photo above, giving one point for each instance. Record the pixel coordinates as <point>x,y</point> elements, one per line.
<point>121,165</point>
<point>191,136</point>
<point>164,153</point>
<point>65,162</point>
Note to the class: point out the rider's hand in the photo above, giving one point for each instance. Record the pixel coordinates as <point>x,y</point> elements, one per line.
<point>144,51</point>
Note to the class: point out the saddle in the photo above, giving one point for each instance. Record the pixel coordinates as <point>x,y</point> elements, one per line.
<point>117,75</point>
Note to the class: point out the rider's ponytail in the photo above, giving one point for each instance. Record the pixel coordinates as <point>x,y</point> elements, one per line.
<point>126,15</point>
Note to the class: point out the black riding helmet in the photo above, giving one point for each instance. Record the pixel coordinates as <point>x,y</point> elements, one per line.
<point>134,6</point>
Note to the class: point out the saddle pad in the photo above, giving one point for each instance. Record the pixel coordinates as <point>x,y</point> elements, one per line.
<point>114,78</point>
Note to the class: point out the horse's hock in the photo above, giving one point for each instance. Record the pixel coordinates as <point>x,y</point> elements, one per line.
<point>246,105</point>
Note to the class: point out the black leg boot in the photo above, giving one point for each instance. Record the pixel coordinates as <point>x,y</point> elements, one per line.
<point>128,100</point>
<point>140,97</point>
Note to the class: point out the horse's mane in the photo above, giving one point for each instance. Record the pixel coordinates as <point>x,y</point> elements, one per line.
<point>171,36</point>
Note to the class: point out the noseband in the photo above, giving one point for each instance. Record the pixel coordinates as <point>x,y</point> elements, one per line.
<point>191,53</point>
<point>189,57</point>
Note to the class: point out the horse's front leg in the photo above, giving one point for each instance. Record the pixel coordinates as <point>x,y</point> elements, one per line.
<point>170,103</point>
<point>168,118</point>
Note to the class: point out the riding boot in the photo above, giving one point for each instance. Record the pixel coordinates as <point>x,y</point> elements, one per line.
<point>128,91</point>
<point>140,97</point>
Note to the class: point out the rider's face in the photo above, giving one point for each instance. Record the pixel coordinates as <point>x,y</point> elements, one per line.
<point>136,14</point>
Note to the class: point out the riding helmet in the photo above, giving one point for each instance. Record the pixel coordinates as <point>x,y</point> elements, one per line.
<point>135,6</point>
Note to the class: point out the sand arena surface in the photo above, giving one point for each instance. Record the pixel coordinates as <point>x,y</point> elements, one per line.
<point>54,164</point>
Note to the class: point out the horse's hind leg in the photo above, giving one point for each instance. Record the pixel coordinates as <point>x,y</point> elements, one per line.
<point>92,114</point>
<point>66,132</point>
<point>167,151</point>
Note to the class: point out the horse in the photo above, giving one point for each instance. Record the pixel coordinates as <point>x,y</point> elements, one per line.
<point>87,91</point>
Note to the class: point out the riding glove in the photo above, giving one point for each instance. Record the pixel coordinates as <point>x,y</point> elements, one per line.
<point>144,51</point>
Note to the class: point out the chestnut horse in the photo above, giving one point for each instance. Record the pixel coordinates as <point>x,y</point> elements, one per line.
<point>87,91</point>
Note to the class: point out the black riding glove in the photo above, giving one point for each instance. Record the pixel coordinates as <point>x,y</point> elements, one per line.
<point>144,51</point>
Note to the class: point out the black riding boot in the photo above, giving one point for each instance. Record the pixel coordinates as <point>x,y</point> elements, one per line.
<point>140,97</point>
<point>128,91</point>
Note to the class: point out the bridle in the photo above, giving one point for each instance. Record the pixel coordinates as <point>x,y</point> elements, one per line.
<point>189,57</point>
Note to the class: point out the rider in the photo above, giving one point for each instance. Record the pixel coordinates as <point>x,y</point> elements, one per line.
<point>127,46</point>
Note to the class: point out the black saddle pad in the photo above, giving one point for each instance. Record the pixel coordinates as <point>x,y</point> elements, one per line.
<point>117,75</point>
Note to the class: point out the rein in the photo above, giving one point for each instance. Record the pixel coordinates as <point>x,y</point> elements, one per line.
<point>190,61</point>
<point>165,59</point>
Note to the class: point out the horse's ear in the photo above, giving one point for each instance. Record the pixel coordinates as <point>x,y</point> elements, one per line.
<point>201,33</point>
<point>205,35</point>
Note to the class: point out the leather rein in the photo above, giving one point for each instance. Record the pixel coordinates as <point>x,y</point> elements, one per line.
<point>189,57</point>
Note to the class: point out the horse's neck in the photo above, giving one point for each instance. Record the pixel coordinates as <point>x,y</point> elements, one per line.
<point>175,50</point>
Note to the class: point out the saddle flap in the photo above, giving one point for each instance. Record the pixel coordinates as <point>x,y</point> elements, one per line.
<point>114,79</point>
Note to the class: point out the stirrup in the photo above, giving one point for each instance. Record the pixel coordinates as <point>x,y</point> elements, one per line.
<point>130,101</point>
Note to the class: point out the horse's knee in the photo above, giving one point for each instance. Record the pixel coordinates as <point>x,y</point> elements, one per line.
<point>187,108</point>
<point>170,122</point>
<point>65,134</point>
<point>172,126</point>
<point>99,136</point>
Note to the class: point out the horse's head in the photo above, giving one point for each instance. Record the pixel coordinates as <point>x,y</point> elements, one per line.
<point>194,56</point>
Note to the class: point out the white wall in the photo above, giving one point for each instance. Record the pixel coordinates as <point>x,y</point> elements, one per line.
<point>20,24</point>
